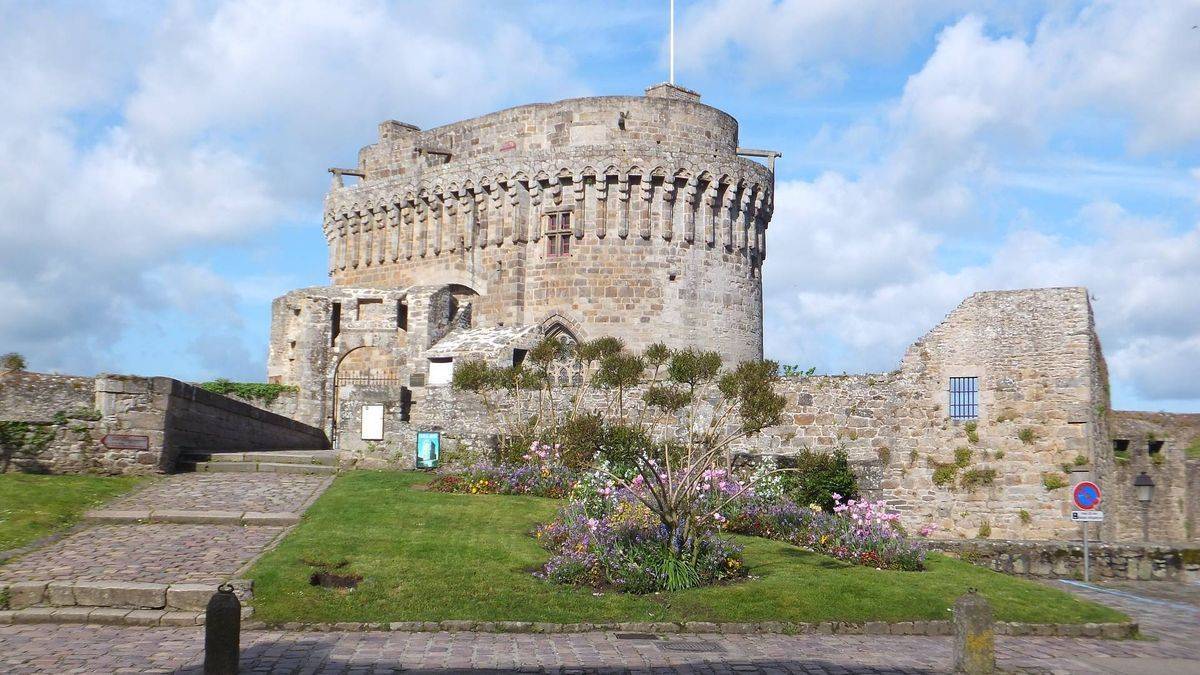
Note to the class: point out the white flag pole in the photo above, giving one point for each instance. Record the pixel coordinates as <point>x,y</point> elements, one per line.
<point>672,59</point>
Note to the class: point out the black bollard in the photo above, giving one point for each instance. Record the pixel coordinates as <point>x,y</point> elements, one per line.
<point>222,632</point>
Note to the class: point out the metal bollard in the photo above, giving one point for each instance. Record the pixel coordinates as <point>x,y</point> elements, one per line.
<point>222,632</point>
<point>974,636</point>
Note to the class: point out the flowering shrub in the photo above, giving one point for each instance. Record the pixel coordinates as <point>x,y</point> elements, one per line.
<point>541,476</point>
<point>858,531</point>
<point>628,550</point>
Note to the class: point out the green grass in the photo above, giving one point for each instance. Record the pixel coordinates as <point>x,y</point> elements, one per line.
<point>33,506</point>
<point>428,556</point>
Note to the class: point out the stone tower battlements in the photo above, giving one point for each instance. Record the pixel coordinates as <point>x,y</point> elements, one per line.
<point>637,217</point>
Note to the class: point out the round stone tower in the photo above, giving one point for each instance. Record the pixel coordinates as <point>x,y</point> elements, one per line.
<point>636,217</point>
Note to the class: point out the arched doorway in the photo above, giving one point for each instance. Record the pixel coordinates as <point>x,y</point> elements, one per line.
<point>367,370</point>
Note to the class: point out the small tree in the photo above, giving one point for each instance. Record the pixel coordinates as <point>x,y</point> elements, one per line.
<point>675,474</point>
<point>12,361</point>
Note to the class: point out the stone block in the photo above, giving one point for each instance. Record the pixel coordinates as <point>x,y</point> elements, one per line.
<point>179,619</point>
<point>117,516</point>
<point>143,617</point>
<point>701,627</point>
<point>192,597</point>
<point>109,616</point>
<point>454,626</point>
<point>35,615</point>
<point>120,594</point>
<point>197,517</point>
<point>876,628</point>
<point>26,594</point>
<point>6,617</point>
<point>974,636</point>
<point>72,614</point>
<point>279,519</point>
<point>60,593</point>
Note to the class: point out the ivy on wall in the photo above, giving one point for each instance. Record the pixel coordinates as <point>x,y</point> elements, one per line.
<point>251,391</point>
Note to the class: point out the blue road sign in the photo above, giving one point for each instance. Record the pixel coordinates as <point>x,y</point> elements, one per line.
<point>1086,495</point>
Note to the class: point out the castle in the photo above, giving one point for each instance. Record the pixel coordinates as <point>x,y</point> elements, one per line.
<point>643,218</point>
<point>640,218</point>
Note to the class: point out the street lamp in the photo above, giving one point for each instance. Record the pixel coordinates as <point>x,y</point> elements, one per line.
<point>1145,492</point>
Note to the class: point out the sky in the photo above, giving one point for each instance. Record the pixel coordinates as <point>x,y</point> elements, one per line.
<point>164,163</point>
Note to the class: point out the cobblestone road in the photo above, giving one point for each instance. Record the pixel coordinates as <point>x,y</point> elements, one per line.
<point>148,553</point>
<point>264,492</point>
<point>1172,623</point>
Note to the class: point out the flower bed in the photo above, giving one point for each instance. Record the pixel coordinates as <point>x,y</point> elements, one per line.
<point>627,550</point>
<point>858,531</point>
<point>541,476</point>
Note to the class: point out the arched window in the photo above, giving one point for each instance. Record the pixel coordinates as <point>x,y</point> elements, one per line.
<point>566,370</point>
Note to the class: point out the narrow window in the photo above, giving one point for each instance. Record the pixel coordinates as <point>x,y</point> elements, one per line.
<point>402,315</point>
<point>335,323</point>
<point>558,234</point>
<point>405,404</point>
<point>964,398</point>
<point>519,356</point>
<point>1121,447</point>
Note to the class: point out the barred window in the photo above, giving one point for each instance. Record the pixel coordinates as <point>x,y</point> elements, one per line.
<point>558,234</point>
<point>964,398</point>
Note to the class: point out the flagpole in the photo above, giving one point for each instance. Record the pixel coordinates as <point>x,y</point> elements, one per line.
<point>672,59</point>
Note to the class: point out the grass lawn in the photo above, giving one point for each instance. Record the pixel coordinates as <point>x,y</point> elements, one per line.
<point>33,506</point>
<point>427,556</point>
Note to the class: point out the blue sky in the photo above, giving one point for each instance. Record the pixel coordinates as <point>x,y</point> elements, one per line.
<point>167,160</point>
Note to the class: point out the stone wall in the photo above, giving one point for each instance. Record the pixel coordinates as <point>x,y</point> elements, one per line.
<point>1064,559</point>
<point>39,397</point>
<point>1156,444</point>
<point>130,425</point>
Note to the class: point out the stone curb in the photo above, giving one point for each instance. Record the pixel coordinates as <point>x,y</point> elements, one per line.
<point>150,516</point>
<point>126,595</point>
<point>108,616</point>
<point>1111,631</point>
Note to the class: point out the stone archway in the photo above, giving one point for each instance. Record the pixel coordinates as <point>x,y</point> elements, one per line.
<point>364,367</point>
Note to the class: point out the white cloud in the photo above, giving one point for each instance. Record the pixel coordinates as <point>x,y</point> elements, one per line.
<point>143,142</point>
<point>981,110</point>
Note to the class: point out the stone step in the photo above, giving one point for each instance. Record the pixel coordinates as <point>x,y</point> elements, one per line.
<point>108,616</point>
<point>306,457</point>
<point>202,517</point>
<point>252,467</point>
<point>128,595</point>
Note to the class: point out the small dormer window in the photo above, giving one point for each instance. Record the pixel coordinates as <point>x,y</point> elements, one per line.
<point>558,234</point>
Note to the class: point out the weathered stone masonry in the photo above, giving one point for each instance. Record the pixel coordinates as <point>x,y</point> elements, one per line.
<point>640,218</point>
<point>69,417</point>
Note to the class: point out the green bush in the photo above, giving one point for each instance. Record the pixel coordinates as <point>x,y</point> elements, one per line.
<point>251,391</point>
<point>816,476</point>
<point>12,361</point>
<point>962,457</point>
<point>1026,435</point>
<point>972,429</point>
<point>977,477</point>
<point>1053,481</point>
<point>985,530</point>
<point>1025,517</point>
<point>1193,450</point>
<point>944,474</point>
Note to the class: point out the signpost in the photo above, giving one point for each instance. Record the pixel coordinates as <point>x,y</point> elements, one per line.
<point>126,442</point>
<point>1086,497</point>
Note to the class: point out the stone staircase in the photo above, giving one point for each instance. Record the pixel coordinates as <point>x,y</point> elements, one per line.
<point>311,462</point>
<point>153,557</point>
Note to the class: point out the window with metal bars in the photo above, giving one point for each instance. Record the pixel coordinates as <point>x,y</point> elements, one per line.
<point>558,234</point>
<point>964,398</point>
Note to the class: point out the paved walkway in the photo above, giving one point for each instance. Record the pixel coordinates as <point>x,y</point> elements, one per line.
<point>1168,615</point>
<point>173,553</point>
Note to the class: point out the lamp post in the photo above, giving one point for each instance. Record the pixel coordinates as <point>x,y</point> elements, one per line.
<point>1145,492</point>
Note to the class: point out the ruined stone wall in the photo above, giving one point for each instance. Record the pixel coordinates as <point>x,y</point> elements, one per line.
<point>168,415</point>
<point>1157,444</point>
<point>38,397</point>
<point>667,225</point>
<point>1064,559</point>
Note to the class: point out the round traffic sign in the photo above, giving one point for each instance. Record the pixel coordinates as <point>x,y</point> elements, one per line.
<point>1086,495</point>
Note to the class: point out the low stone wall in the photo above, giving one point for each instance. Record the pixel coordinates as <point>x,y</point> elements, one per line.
<point>1064,560</point>
<point>129,425</point>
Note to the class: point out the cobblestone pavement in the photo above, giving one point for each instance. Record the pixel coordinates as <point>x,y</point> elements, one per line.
<point>1173,626</point>
<point>146,553</point>
<point>264,492</point>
